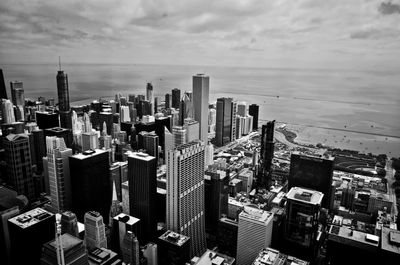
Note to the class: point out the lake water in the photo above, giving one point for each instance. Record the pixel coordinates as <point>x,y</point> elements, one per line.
<point>367,103</point>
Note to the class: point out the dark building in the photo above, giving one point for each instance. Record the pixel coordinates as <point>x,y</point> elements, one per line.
<point>151,143</point>
<point>162,123</point>
<point>223,124</point>
<point>176,98</point>
<point>103,256</point>
<point>267,151</point>
<point>216,184</point>
<point>122,223</point>
<point>91,187</point>
<point>69,223</point>
<point>19,166</point>
<point>173,249</point>
<point>66,119</point>
<point>227,236</point>
<point>143,108</point>
<point>142,171</point>
<point>168,101</point>
<point>62,91</point>
<point>15,128</point>
<point>312,173</point>
<point>47,120</point>
<point>254,111</point>
<point>60,133</point>
<point>28,232</point>
<point>17,93</point>
<point>3,90</point>
<point>40,148</point>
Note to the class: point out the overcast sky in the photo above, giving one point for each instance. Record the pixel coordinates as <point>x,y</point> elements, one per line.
<point>295,33</point>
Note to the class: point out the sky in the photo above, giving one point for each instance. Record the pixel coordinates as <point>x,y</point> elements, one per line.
<point>343,34</point>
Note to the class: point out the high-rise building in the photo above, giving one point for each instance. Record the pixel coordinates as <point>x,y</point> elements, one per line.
<point>192,128</point>
<point>150,252</point>
<point>224,121</point>
<point>212,120</point>
<point>58,173</point>
<point>267,151</point>
<point>122,223</point>
<point>150,97</point>
<point>242,109</point>
<point>168,101</point>
<point>61,133</point>
<point>40,148</point>
<point>130,249</point>
<point>62,91</point>
<point>7,110</point>
<point>46,120</point>
<point>90,141</point>
<point>95,233</point>
<point>254,234</point>
<point>179,133</point>
<point>17,93</point>
<point>168,141</point>
<point>227,236</point>
<point>5,246</point>
<point>151,143</point>
<point>176,97</point>
<point>186,107</point>
<point>19,166</point>
<point>233,121</point>
<point>124,114</point>
<point>3,90</point>
<point>173,249</point>
<point>69,223</point>
<point>142,171</point>
<point>90,183</point>
<point>201,92</point>
<point>301,227</point>
<point>253,111</point>
<point>313,173</point>
<point>28,232</point>
<point>185,193</point>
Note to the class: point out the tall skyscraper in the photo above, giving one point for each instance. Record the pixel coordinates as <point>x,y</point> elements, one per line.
<point>3,90</point>
<point>151,143</point>
<point>17,93</point>
<point>301,226</point>
<point>176,97</point>
<point>122,223</point>
<point>192,128</point>
<point>40,148</point>
<point>179,133</point>
<point>185,193</point>
<point>28,232</point>
<point>201,92</point>
<point>254,234</point>
<point>233,121</point>
<point>90,183</point>
<point>267,151</point>
<point>253,111</point>
<point>130,249</point>
<point>142,171</point>
<point>7,110</point>
<point>19,166</point>
<point>224,121</point>
<point>58,173</point>
<point>62,90</point>
<point>150,97</point>
<point>95,233</point>
<point>69,223</point>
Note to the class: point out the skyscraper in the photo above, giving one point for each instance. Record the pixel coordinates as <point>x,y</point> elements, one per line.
<point>69,223</point>
<point>224,121</point>
<point>122,223</point>
<point>151,143</point>
<point>150,97</point>
<point>176,97</point>
<point>267,151</point>
<point>95,234</point>
<point>254,233</point>
<point>142,171</point>
<point>192,128</point>
<point>90,183</point>
<point>168,101</point>
<point>233,120</point>
<point>58,173</point>
<point>7,110</point>
<point>130,249</point>
<point>62,91</point>
<point>185,193</point>
<point>17,93</point>
<point>201,84</point>
<point>19,166</point>
<point>179,133</point>
<point>173,248</point>
<point>3,90</point>
<point>253,111</point>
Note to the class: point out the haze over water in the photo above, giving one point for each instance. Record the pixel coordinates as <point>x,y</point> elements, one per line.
<point>367,103</point>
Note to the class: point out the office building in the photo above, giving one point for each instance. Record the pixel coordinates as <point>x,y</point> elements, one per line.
<point>313,173</point>
<point>90,141</point>
<point>168,101</point>
<point>227,236</point>
<point>168,141</point>
<point>17,93</point>
<point>103,256</point>
<point>223,124</point>
<point>61,133</point>
<point>119,174</point>
<point>142,171</point>
<point>212,120</point>
<point>90,183</point>
<point>192,130</point>
<point>69,223</point>
<point>150,252</point>
<point>95,233</point>
<point>301,227</point>
<point>124,114</point>
<point>40,148</point>
<point>267,151</point>
<point>3,89</point>
<point>233,120</point>
<point>185,193</point>
<point>58,173</point>
<point>122,224</point>
<point>254,233</point>
<point>186,108</point>
<point>201,92</point>
<point>173,249</point>
<point>216,184</point>
<point>19,166</point>
<point>130,249</point>
<point>179,133</point>
<point>73,251</point>
<point>151,143</point>
<point>253,111</point>
<point>26,245</point>
<point>62,91</point>
<point>46,120</point>
<point>176,97</point>
<point>5,245</point>
<point>7,110</point>
<point>150,97</point>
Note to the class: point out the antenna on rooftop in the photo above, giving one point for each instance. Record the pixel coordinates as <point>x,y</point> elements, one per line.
<point>59,62</point>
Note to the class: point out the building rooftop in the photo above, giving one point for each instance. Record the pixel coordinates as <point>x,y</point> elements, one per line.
<point>256,214</point>
<point>141,156</point>
<point>174,238</point>
<point>390,240</point>
<point>347,236</point>
<point>213,258</point>
<point>86,155</point>
<point>305,195</point>
<point>68,242</point>
<point>129,220</point>
<point>313,157</point>
<point>30,218</point>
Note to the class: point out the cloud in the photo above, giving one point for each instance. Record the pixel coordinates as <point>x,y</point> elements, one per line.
<point>389,8</point>
<point>375,34</point>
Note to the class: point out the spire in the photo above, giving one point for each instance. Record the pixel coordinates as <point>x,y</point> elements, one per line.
<point>59,62</point>
<point>104,132</point>
<point>114,194</point>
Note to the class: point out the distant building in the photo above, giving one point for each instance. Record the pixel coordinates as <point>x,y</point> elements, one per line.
<point>201,90</point>
<point>254,233</point>
<point>3,90</point>
<point>62,91</point>
<point>150,97</point>
<point>254,111</point>
<point>180,135</point>
<point>267,151</point>
<point>95,234</point>
<point>46,120</point>
<point>224,122</point>
<point>176,96</point>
